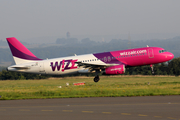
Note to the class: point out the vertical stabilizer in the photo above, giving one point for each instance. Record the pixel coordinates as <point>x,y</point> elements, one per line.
<point>20,53</point>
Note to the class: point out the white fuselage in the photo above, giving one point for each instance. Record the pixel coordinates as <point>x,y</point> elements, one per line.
<point>55,66</point>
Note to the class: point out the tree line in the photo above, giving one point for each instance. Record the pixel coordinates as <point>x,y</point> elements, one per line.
<point>169,68</point>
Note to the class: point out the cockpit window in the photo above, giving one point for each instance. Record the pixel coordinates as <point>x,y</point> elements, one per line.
<point>161,51</point>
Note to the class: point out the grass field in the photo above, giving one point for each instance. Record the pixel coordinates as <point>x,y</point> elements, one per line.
<point>108,86</point>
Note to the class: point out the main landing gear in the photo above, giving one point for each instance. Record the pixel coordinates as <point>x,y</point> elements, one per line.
<point>96,79</point>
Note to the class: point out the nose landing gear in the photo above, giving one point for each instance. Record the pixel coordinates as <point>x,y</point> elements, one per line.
<point>152,69</point>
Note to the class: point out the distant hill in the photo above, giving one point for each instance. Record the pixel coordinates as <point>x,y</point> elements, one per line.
<point>3,43</point>
<point>68,48</point>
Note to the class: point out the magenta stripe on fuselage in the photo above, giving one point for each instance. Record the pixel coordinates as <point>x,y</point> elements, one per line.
<point>107,58</point>
<point>131,57</point>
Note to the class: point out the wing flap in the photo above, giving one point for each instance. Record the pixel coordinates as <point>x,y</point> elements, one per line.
<point>93,67</point>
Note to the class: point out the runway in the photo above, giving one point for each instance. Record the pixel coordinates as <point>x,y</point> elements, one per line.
<point>105,108</point>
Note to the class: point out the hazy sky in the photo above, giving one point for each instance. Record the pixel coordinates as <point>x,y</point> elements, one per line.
<point>40,18</point>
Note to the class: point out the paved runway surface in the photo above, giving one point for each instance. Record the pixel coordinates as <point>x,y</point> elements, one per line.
<point>107,108</point>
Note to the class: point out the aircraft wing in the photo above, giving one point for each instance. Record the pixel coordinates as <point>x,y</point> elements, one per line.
<point>92,67</point>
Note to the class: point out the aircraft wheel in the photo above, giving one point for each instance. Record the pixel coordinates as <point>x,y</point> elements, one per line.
<point>96,79</point>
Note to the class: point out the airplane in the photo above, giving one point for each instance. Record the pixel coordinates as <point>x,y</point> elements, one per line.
<point>109,63</point>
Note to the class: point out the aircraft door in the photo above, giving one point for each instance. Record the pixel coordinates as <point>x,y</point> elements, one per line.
<point>41,67</point>
<point>150,53</point>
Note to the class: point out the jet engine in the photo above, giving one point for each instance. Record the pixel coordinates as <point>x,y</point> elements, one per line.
<point>114,70</point>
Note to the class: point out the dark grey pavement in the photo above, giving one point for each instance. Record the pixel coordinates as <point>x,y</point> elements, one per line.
<point>104,108</point>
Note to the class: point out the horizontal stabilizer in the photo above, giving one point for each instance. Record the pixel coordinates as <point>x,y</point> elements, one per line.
<point>20,67</point>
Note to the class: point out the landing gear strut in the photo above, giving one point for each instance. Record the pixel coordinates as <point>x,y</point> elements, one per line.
<point>96,79</point>
<point>152,68</point>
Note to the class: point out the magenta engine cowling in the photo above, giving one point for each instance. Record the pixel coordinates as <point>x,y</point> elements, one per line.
<point>114,70</point>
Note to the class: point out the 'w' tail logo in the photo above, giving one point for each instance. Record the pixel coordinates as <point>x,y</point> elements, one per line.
<point>62,65</point>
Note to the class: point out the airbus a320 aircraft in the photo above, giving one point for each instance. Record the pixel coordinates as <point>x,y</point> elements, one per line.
<point>111,63</point>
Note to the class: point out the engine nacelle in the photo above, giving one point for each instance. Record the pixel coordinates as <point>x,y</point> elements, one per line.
<point>114,70</point>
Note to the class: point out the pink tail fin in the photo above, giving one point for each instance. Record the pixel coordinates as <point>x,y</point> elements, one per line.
<point>19,50</point>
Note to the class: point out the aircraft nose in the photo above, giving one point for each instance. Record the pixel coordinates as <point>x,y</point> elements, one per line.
<point>170,56</point>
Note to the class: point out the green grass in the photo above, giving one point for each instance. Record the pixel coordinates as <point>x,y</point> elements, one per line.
<point>108,86</point>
